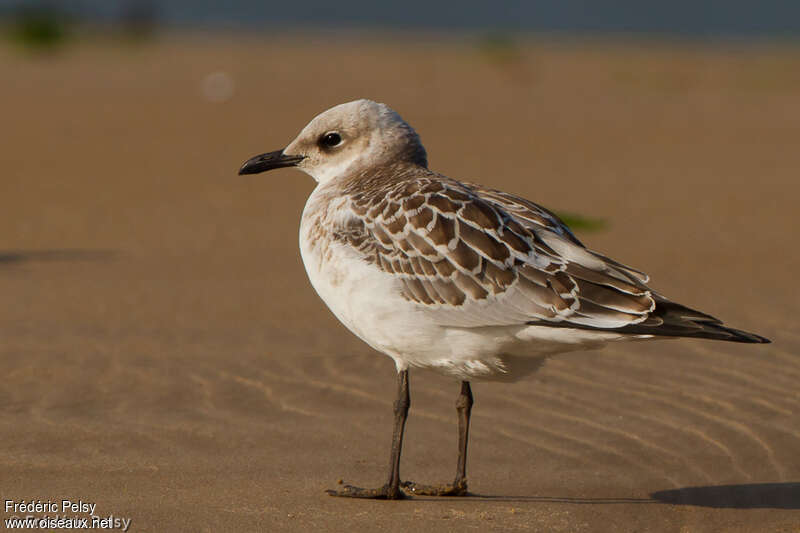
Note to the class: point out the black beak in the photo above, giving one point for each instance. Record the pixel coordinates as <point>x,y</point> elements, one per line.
<point>268,161</point>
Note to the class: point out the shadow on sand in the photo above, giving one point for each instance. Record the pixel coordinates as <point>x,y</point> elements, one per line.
<point>68,254</point>
<point>751,496</point>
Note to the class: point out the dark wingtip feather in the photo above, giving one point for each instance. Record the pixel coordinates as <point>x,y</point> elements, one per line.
<point>674,326</point>
<point>681,321</point>
<point>737,335</point>
<point>669,319</point>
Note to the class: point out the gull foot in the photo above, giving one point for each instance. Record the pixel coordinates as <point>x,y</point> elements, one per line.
<point>383,493</point>
<point>458,488</point>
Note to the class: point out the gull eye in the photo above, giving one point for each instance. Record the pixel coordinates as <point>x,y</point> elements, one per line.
<point>330,139</point>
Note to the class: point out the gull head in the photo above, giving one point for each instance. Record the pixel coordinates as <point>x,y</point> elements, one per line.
<point>346,139</point>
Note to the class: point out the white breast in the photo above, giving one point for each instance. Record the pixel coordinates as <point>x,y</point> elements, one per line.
<point>365,299</point>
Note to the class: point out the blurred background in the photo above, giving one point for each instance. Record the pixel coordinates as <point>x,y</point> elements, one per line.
<point>708,18</point>
<point>166,357</point>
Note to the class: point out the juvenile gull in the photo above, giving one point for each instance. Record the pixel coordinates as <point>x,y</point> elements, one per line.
<point>438,273</point>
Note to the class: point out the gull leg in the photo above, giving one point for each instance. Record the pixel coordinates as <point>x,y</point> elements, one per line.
<point>464,408</point>
<point>391,490</point>
<point>459,486</point>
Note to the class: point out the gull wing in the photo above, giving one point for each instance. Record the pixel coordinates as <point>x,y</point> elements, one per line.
<point>667,318</point>
<point>481,257</point>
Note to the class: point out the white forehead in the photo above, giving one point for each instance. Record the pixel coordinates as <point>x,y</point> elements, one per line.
<point>362,115</point>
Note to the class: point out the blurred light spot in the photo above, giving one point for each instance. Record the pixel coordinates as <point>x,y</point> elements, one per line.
<point>218,87</point>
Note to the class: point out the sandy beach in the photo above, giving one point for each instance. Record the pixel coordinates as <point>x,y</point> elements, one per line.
<point>165,357</point>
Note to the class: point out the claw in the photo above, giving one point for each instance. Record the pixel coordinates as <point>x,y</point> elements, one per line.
<point>456,489</point>
<point>385,492</point>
